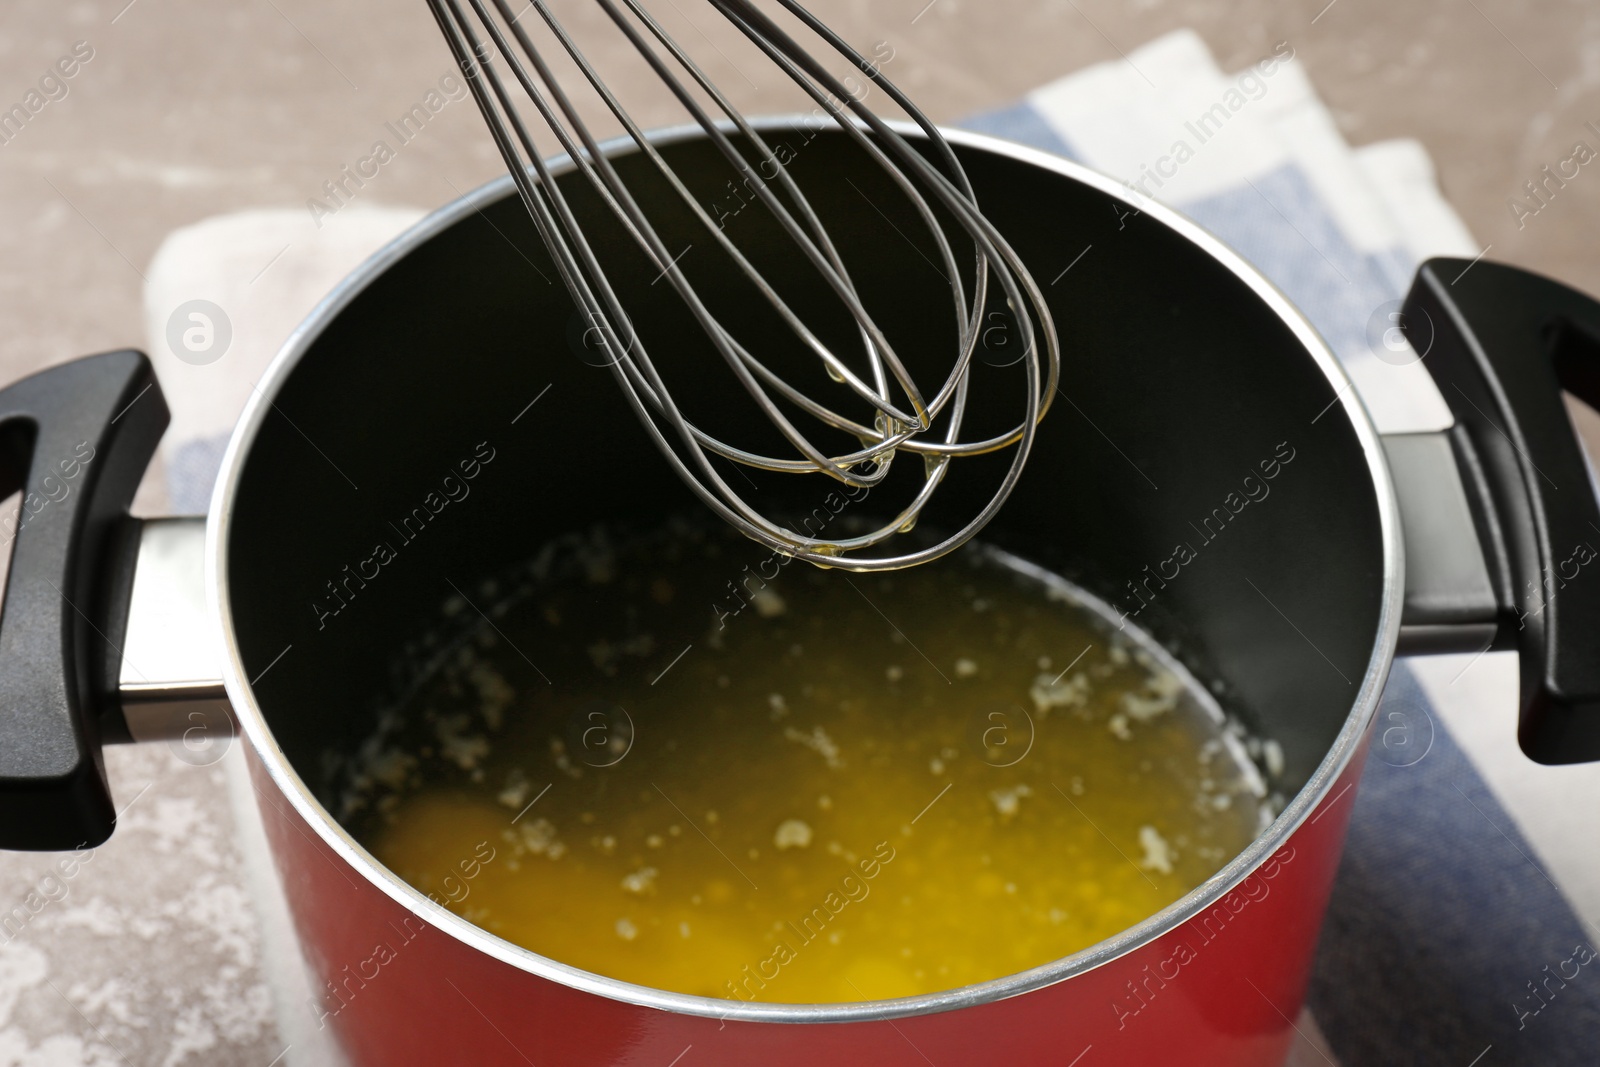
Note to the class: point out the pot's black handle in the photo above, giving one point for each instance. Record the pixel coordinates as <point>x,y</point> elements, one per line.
<point>75,440</point>
<point>1502,344</point>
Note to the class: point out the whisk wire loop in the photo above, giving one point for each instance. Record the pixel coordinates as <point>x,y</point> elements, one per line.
<point>903,418</point>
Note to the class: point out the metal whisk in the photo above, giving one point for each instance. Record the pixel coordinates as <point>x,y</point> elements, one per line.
<point>508,73</point>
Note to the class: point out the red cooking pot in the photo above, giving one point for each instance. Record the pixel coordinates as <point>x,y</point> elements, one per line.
<point>1200,409</point>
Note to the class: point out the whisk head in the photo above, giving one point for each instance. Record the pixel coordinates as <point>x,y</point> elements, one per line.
<point>861,392</point>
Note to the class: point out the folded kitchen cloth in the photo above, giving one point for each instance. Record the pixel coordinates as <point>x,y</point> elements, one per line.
<point>1468,901</point>
<point>1470,890</point>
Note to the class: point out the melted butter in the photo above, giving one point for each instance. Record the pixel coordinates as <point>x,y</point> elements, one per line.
<point>755,779</point>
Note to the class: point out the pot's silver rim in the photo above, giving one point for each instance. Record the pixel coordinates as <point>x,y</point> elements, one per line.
<point>1333,765</point>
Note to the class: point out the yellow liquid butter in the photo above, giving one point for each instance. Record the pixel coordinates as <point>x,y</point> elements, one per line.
<point>682,764</point>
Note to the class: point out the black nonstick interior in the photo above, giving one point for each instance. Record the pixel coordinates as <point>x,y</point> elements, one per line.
<point>1178,383</point>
